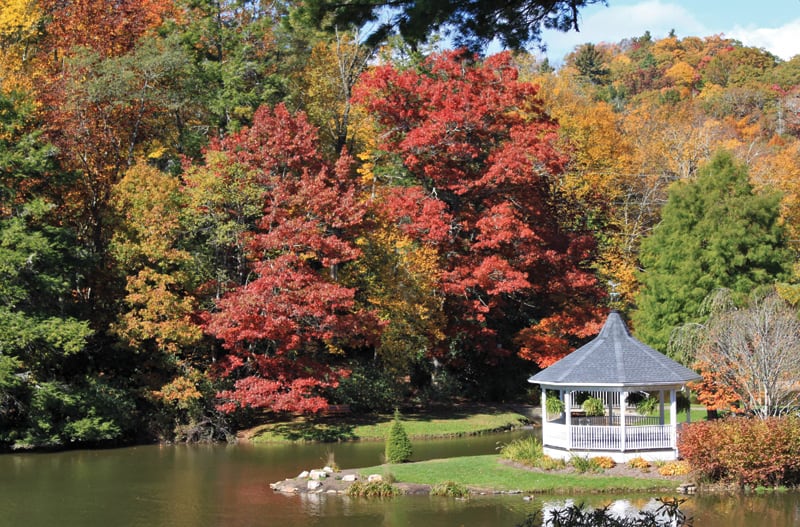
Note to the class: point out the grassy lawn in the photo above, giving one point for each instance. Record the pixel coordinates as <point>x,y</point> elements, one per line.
<point>486,472</point>
<point>698,414</point>
<point>457,422</point>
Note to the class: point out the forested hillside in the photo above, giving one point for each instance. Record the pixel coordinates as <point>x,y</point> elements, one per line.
<point>212,211</point>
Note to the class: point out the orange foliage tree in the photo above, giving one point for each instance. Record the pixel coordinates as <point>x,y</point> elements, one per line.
<point>714,394</point>
<point>96,90</point>
<point>109,29</point>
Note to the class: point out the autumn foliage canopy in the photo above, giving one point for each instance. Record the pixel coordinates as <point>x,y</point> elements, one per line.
<point>210,210</point>
<point>473,138</point>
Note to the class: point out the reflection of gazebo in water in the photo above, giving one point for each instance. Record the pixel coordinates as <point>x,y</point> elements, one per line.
<point>611,367</point>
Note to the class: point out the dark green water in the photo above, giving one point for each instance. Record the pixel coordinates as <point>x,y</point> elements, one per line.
<point>160,486</point>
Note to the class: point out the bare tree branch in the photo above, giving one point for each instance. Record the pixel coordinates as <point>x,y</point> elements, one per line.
<point>754,350</point>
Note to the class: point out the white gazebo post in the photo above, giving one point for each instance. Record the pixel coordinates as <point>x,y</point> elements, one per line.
<point>568,416</point>
<point>673,419</point>
<point>623,401</point>
<point>544,410</point>
<point>614,364</point>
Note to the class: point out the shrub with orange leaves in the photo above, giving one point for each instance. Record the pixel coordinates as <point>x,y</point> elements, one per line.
<point>744,451</point>
<point>639,462</point>
<point>675,468</point>
<point>604,462</point>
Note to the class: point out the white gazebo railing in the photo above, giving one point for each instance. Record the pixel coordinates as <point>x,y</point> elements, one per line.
<point>649,437</point>
<point>580,437</point>
<point>595,437</point>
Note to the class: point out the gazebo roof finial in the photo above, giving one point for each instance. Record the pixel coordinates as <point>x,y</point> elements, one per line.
<point>614,294</point>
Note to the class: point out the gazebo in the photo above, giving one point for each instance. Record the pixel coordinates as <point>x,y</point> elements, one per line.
<point>611,367</point>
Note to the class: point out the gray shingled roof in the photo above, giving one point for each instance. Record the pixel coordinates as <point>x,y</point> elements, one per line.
<point>615,358</point>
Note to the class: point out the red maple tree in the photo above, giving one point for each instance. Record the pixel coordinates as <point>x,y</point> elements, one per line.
<point>477,141</point>
<point>280,326</point>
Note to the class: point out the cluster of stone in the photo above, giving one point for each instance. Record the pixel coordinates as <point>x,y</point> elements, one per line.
<point>321,480</point>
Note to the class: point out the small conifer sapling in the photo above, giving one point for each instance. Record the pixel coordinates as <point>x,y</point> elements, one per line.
<point>398,445</point>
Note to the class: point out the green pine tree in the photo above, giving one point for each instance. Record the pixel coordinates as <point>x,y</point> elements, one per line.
<point>398,445</point>
<point>715,232</point>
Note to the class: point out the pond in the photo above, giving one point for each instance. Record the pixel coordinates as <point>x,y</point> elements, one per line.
<point>220,485</point>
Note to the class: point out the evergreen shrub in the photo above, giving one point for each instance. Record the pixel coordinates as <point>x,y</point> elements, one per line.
<point>398,445</point>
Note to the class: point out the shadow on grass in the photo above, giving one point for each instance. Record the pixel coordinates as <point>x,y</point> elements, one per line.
<point>454,413</point>
<point>329,429</point>
<point>324,432</point>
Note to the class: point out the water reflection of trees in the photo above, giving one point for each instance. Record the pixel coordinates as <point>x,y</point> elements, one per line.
<point>656,512</point>
<point>737,510</point>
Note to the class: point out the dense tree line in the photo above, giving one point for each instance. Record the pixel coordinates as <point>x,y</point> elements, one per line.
<point>212,210</point>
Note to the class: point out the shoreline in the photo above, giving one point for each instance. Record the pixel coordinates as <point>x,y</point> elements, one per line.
<point>531,481</point>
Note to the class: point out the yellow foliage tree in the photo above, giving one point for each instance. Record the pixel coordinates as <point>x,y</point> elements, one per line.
<point>325,88</point>
<point>158,319</point>
<point>599,177</point>
<point>779,168</point>
<point>20,27</point>
<point>19,19</point>
<point>684,77</point>
<point>400,279</point>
